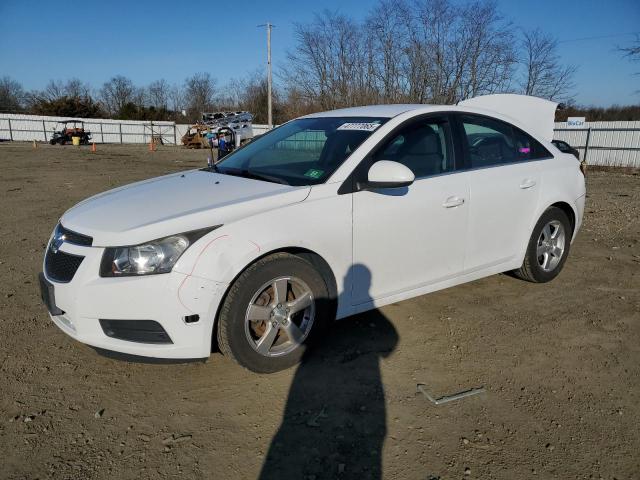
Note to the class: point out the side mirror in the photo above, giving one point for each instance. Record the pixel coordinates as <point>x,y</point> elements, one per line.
<point>388,174</point>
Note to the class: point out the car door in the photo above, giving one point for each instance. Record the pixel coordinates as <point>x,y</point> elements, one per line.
<point>412,236</point>
<point>504,184</point>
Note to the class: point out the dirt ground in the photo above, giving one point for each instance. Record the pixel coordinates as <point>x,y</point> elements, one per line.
<point>560,363</point>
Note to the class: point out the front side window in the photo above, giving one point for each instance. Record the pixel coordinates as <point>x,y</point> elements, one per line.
<point>423,147</point>
<point>302,152</point>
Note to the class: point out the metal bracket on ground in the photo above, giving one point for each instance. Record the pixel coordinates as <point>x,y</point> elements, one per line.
<point>449,398</point>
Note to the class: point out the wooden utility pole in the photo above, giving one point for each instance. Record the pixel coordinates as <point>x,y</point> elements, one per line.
<point>269,79</point>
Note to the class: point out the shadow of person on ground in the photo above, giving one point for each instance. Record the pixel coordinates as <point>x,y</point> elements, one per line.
<point>334,422</point>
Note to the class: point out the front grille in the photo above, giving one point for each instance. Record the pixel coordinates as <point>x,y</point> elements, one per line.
<point>74,237</point>
<point>61,266</point>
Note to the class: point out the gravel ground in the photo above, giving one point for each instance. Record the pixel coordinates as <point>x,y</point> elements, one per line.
<point>560,363</point>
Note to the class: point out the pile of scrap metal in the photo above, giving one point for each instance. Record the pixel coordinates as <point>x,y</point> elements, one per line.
<point>236,125</point>
<point>196,136</point>
<point>223,119</point>
<point>239,122</point>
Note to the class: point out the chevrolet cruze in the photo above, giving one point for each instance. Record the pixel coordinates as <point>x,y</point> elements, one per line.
<point>323,217</point>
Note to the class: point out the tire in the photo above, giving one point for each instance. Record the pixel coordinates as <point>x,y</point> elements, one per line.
<point>253,312</point>
<point>546,239</point>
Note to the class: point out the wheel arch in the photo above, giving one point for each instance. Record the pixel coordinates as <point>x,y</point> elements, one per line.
<point>563,205</point>
<point>312,257</point>
<point>568,210</point>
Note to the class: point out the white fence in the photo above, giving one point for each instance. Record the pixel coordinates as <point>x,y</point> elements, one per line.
<point>615,144</point>
<point>600,143</point>
<point>40,128</point>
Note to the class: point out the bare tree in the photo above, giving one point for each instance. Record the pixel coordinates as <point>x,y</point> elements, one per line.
<point>176,99</point>
<point>632,51</point>
<point>387,29</point>
<point>76,88</point>
<point>158,94</point>
<point>57,89</point>
<point>544,74</point>
<point>12,95</point>
<point>435,62</point>
<point>236,87</point>
<point>328,64</point>
<point>116,93</point>
<point>406,50</point>
<point>487,46</point>
<point>54,90</point>
<point>199,89</point>
<point>251,93</point>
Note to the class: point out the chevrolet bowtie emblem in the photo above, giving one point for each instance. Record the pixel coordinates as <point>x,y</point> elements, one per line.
<point>57,241</point>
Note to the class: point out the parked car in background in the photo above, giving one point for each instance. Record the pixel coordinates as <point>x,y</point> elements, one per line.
<point>326,216</point>
<point>564,147</point>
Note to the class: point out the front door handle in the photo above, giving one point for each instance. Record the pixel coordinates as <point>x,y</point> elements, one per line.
<point>452,202</point>
<point>527,183</point>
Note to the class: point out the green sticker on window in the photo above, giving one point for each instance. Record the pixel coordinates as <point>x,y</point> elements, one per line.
<point>313,173</point>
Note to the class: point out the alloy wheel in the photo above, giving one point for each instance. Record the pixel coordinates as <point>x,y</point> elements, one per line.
<point>551,245</point>
<point>280,316</point>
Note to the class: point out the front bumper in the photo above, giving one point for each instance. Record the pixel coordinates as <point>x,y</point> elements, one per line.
<point>170,299</point>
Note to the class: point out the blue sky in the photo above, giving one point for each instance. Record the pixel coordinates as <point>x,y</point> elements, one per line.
<point>167,39</point>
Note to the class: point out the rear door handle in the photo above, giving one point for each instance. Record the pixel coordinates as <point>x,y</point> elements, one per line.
<point>527,183</point>
<point>453,202</point>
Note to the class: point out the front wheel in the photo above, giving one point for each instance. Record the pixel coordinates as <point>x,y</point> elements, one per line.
<point>272,313</point>
<point>548,247</point>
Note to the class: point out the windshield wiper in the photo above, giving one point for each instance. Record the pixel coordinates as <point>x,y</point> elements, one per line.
<point>251,174</point>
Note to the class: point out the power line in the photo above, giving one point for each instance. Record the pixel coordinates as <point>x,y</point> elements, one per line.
<point>598,37</point>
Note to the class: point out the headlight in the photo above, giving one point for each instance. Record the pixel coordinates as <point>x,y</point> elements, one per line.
<point>156,256</point>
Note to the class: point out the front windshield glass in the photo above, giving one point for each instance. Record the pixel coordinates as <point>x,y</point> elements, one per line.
<point>302,152</point>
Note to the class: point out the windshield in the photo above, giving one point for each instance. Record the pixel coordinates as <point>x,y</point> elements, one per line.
<point>302,152</point>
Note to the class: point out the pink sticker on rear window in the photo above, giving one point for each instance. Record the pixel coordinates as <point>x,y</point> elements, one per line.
<point>525,150</point>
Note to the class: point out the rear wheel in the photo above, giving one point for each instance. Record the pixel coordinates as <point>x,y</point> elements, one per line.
<point>548,247</point>
<point>273,311</point>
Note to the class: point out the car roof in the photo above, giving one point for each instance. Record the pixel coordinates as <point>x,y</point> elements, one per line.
<point>382,111</point>
<point>534,117</point>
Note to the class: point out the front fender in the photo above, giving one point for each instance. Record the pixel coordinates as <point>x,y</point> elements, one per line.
<point>320,224</point>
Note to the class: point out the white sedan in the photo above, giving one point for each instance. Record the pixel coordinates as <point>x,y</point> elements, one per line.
<point>325,216</point>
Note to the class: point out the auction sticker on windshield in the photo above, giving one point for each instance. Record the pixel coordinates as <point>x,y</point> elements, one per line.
<point>365,127</point>
<point>313,173</point>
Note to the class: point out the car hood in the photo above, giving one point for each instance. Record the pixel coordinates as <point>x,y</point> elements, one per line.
<point>173,204</point>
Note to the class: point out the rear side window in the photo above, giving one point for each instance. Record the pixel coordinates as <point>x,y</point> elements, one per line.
<point>528,147</point>
<point>490,141</point>
<point>493,142</point>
